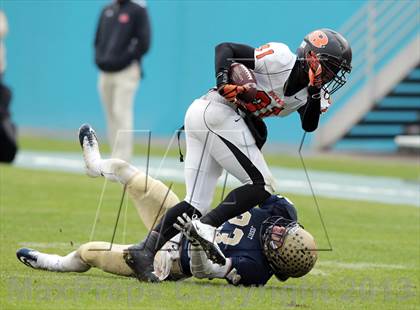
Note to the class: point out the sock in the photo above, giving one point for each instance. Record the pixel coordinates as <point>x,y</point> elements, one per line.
<point>153,242</point>
<point>165,228</point>
<point>68,263</point>
<point>236,202</point>
<point>116,170</point>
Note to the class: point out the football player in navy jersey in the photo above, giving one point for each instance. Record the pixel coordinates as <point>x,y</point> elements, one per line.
<point>256,245</point>
<point>221,134</point>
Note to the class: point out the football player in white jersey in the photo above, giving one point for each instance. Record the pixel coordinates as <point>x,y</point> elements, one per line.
<point>219,136</point>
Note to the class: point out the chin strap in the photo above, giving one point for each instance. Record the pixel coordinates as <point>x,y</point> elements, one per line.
<point>178,134</point>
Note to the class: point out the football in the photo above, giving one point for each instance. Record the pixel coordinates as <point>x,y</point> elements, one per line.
<point>241,75</point>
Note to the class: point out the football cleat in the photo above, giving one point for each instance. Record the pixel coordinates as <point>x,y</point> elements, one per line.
<point>140,260</point>
<point>89,143</point>
<point>205,235</point>
<point>28,257</point>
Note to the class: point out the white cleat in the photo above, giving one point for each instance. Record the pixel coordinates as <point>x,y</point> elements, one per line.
<point>205,235</point>
<point>90,146</point>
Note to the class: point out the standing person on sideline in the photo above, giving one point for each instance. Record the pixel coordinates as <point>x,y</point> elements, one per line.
<point>122,38</point>
<point>8,131</point>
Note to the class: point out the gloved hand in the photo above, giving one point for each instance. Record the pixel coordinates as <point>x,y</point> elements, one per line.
<point>180,225</point>
<point>225,89</point>
<point>200,266</point>
<point>315,70</point>
<point>230,91</point>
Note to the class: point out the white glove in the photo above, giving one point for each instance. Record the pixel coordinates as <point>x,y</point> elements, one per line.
<point>201,267</point>
<point>182,220</point>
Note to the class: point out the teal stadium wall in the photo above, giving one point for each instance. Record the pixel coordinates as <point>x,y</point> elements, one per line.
<point>53,76</point>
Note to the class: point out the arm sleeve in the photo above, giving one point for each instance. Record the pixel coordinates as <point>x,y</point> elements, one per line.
<point>143,33</point>
<point>98,30</point>
<point>249,271</point>
<point>227,53</point>
<point>140,40</point>
<point>310,112</point>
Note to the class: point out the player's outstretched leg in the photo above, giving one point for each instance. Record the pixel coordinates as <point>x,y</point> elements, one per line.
<point>97,254</point>
<point>89,143</point>
<point>52,262</point>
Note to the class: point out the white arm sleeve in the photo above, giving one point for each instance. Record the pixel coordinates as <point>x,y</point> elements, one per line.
<point>203,268</point>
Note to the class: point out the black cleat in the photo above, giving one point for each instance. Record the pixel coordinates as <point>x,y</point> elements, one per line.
<point>87,131</point>
<point>205,234</point>
<point>28,257</point>
<point>140,257</point>
<point>91,155</point>
<point>140,260</point>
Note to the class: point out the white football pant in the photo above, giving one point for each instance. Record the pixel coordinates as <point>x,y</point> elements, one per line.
<point>207,154</point>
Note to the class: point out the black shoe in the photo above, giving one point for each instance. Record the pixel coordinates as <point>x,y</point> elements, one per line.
<point>87,131</point>
<point>140,260</point>
<point>140,257</point>
<point>90,146</point>
<point>29,257</point>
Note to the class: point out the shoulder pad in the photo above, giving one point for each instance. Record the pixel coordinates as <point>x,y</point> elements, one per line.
<point>273,57</point>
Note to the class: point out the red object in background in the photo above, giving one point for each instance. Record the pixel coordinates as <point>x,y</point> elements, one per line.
<point>124,18</point>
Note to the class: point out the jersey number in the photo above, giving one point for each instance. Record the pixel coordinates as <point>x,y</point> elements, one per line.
<point>233,238</point>
<point>261,101</point>
<point>265,49</point>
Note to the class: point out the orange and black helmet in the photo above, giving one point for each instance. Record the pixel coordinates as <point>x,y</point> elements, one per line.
<point>333,52</point>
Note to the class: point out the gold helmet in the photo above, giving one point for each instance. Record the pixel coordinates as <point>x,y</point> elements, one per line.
<point>290,249</point>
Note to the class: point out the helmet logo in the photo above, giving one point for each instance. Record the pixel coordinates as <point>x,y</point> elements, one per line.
<point>318,38</point>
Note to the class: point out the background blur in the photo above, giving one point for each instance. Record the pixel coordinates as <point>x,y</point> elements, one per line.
<point>52,74</point>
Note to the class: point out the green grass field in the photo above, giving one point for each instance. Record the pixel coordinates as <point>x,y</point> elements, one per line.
<point>374,263</point>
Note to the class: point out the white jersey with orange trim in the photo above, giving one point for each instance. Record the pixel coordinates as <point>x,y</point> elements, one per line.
<point>273,64</point>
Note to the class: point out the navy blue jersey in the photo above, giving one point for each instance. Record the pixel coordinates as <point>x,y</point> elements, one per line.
<point>239,239</point>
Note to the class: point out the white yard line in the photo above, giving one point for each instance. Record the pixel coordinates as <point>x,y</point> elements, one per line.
<point>327,184</point>
<point>361,265</point>
<point>319,270</point>
<point>48,245</point>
